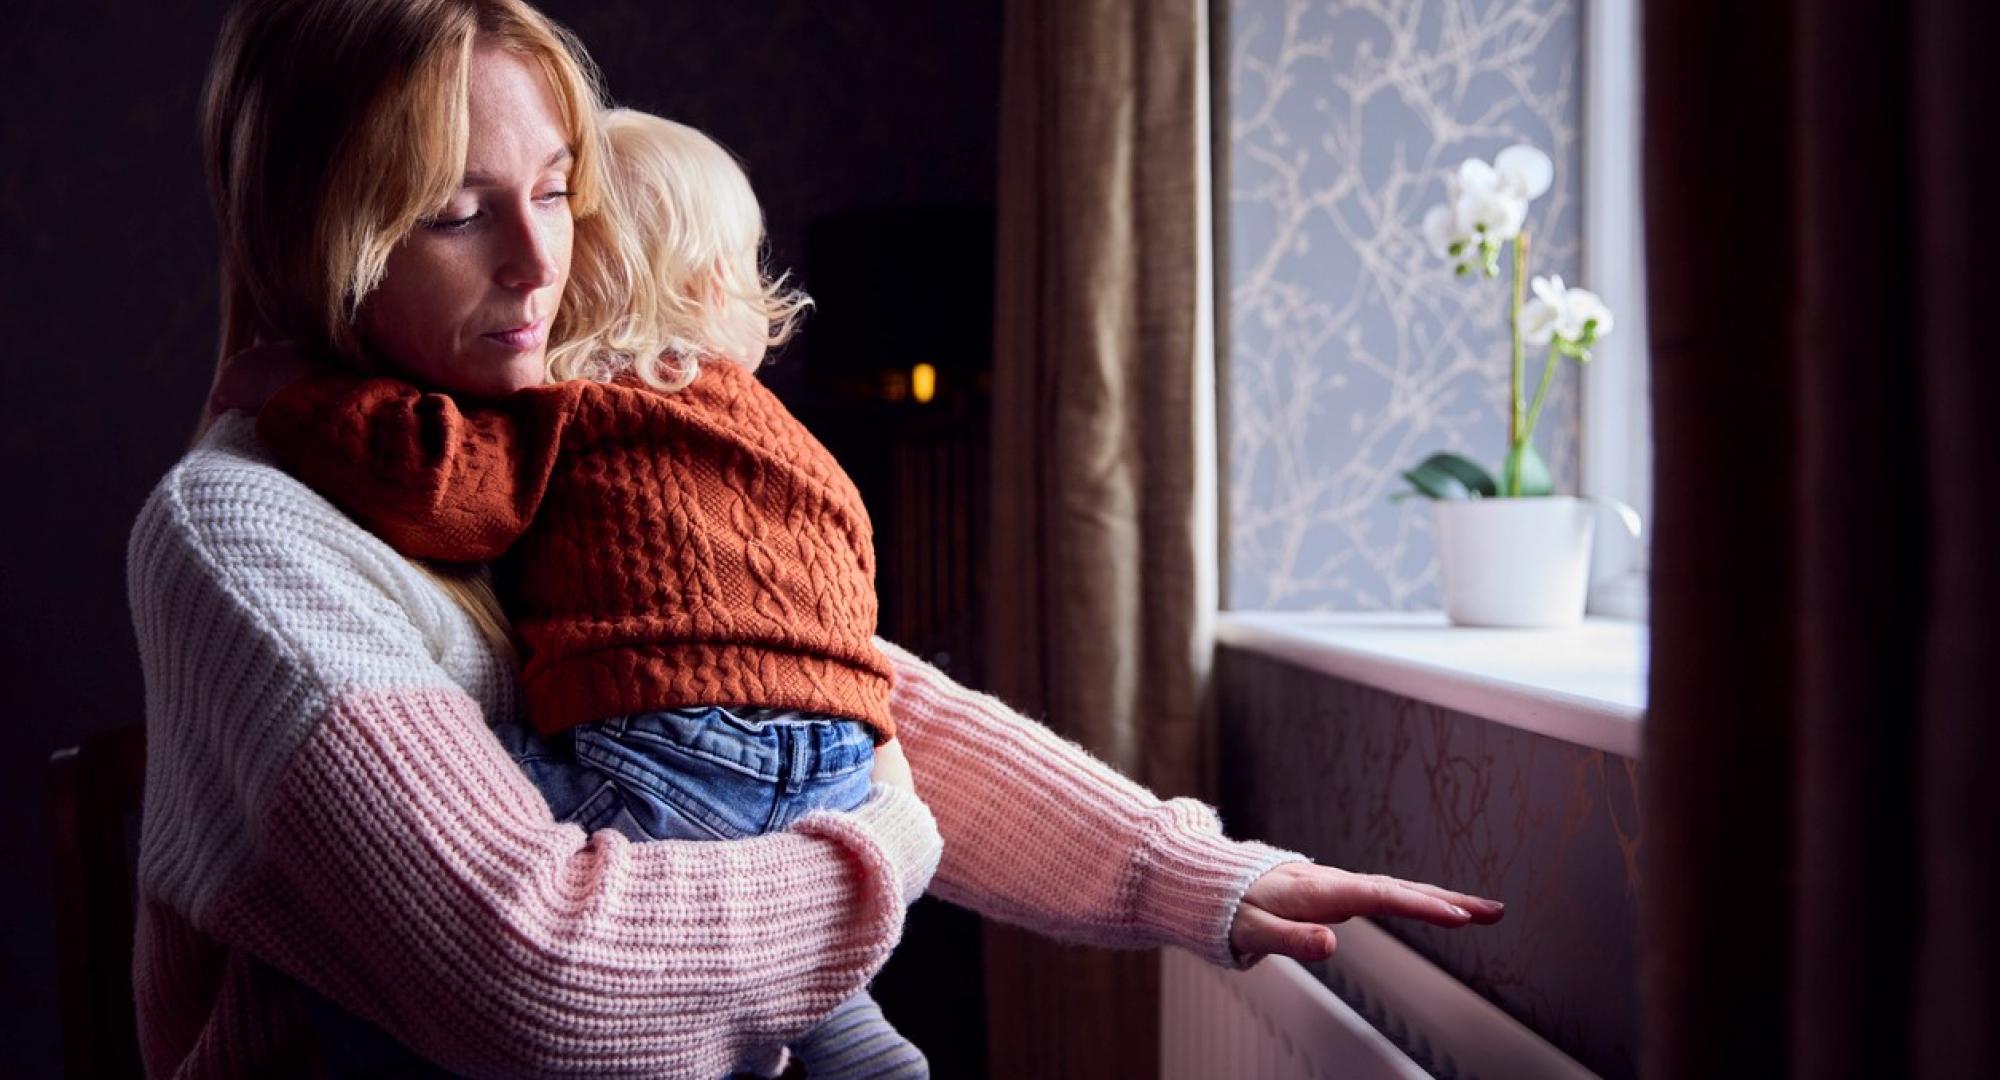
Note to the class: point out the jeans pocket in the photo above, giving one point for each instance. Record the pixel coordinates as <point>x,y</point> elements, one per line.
<point>674,791</point>
<point>575,792</point>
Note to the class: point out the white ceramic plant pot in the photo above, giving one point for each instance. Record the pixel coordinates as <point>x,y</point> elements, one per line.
<point>1515,562</point>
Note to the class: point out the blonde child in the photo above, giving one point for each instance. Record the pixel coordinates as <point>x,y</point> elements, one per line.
<point>688,573</point>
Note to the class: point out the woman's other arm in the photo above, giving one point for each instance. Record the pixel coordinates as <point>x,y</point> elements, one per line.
<point>322,797</point>
<point>1040,833</point>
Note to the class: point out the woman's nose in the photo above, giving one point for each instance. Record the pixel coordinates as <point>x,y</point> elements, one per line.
<point>531,258</point>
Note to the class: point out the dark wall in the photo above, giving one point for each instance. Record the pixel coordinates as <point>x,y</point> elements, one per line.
<point>107,287</point>
<point>830,107</point>
<point>1356,776</point>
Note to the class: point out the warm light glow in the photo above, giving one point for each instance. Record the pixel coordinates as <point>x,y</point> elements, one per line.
<point>923,383</point>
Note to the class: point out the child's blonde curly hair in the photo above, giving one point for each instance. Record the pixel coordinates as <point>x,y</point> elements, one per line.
<point>701,292</point>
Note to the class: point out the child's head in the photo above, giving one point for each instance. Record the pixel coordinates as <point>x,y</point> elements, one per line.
<point>688,208</point>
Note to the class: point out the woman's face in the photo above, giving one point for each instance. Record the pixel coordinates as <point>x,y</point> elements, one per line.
<point>466,301</point>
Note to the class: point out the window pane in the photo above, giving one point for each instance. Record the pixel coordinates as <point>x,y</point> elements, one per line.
<point>1354,352</point>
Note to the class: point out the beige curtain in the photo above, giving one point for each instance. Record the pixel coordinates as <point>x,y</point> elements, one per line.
<point>1104,548</point>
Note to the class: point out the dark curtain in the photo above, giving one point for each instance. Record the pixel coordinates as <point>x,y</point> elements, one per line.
<point>1825,688</point>
<point>1103,592</point>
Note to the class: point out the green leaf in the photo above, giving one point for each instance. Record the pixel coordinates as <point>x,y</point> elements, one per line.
<point>1436,483</point>
<point>1465,470</point>
<point>1525,473</point>
<point>1449,476</point>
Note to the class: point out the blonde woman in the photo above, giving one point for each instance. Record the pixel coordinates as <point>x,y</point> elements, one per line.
<point>691,574</point>
<point>328,812</point>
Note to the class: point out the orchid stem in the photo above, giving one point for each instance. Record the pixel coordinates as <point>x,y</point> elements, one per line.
<point>1541,392</point>
<point>1515,418</point>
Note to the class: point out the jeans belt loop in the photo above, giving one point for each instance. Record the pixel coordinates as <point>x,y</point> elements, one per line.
<point>798,742</point>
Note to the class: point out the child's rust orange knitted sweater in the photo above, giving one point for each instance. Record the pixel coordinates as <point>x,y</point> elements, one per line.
<point>660,549</point>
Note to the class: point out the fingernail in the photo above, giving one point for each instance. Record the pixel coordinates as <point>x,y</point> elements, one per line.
<point>1460,912</point>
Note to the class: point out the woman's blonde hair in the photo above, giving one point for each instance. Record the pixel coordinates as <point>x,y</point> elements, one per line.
<point>703,294</point>
<point>332,127</point>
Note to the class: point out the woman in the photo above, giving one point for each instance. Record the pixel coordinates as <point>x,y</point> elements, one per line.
<point>327,813</point>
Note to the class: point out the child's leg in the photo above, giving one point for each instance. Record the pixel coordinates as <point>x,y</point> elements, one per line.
<point>723,774</point>
<point>857,1041</point>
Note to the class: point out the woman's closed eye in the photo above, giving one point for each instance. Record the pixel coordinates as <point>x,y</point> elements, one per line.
<point>448,221</point>
<point>451,221</point>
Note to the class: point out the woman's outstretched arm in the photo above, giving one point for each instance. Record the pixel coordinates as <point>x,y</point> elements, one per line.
<point>324,799</point>
<point>1040,833</point>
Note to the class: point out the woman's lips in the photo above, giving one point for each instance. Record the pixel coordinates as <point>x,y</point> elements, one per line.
<point>521,338</point>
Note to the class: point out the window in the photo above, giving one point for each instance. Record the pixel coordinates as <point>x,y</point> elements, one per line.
<point>1617,410</point>
<point>1353,350</point>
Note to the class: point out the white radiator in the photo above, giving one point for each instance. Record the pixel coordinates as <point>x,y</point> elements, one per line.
<point>1276,1021</point>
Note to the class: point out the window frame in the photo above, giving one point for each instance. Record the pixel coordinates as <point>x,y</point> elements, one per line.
<point>1617,437</point>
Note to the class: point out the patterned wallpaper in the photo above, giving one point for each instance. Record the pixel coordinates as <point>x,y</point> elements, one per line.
<point>1363,779</point>
<point>1354,351</point>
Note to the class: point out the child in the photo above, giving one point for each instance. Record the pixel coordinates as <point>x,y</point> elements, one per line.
<point>689,573</point>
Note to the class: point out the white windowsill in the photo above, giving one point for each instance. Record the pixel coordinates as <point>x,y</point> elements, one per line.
<point>1584,685</point>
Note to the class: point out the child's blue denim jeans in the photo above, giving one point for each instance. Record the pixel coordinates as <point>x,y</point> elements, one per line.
<point>707,773</point>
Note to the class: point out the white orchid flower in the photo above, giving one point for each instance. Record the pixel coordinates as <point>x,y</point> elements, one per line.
<point>1441,231</point>
<point>1524,171</point>
<point>1496,215</point>
<point>1560,312</point>
<point>1485,204</point>
<point>1538,322</point>
<point>1550,290</point>
<point>1475,175</point>
<point>1581,309</point>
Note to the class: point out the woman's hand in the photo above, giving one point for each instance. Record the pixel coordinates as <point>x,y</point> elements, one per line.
<point>891,767</point>
<point>249,379</point>
<point>1284,911</point>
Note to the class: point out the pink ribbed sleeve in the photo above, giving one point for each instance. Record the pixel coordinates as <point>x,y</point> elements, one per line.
<point>414,874</point>
<point>1039,833</point>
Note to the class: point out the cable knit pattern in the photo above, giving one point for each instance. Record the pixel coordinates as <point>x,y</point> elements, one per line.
<point>325,805</point>
<point>662,549</point>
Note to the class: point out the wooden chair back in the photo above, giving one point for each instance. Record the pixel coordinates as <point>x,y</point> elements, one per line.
<point>95,791</point>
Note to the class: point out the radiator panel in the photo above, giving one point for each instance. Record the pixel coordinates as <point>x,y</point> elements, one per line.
<point>1397,1017</point>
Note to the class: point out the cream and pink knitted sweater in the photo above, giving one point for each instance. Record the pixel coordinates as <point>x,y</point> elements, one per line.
<point>325,805</point>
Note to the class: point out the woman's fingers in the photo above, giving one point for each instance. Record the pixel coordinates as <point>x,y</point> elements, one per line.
<point>1283,912</point>
<point>1483,911</point>
<point>1257,932</point>
<point>891,767</point>
<point>1393,896</point>
<point>1322,894</point>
